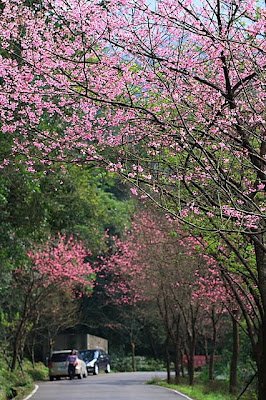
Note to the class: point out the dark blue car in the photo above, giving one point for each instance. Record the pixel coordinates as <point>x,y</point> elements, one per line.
<point>96,360</point>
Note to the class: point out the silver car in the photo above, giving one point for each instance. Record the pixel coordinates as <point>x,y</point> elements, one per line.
<point>58,366</point>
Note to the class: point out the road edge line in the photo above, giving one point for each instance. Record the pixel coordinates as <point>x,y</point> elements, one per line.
<point>183,395</point>
<point>177,392</point>
<point>32,393</point>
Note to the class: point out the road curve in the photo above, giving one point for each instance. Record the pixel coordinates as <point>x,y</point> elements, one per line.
<point>113,386</point>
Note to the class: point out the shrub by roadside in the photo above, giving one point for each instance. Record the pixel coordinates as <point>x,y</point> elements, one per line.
<point>17,384</point>
<point>38,373</point>
<point>124,364</point>
<point>13,383</point>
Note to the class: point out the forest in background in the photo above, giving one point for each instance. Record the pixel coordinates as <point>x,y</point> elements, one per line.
<point>149,286</point>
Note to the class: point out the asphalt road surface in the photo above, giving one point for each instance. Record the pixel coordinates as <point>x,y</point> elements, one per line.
<point>113,386</point>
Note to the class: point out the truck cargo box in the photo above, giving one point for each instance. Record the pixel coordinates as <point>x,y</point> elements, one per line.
<point>80,341</point>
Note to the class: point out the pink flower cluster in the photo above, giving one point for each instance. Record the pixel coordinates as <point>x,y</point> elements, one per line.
<point>62,261</point>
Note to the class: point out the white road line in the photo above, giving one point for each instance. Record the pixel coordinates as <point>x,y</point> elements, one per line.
<point>183,395</point>
<point>32,393</point>
<point>179,393</point>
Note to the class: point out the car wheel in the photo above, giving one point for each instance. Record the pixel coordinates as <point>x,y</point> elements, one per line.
<point>108,368</point>
<point>96,370</point>
<point>51,378</point>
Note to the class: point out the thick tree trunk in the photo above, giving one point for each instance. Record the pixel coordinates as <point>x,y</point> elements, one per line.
<point>182,364</point>
<point>168,362</point>
<point>212,353</point>
<point>17,346</point>
<point>191,359</point>
<point>261,346</point>
<point>191,369</point>
<point>211,366</point>
<point>177,360</point>
<point>206,350</point>
<point>261,363</point>
<point>14,356</point>
<point>234,358</point>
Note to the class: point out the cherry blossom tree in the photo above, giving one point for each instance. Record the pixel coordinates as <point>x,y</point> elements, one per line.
<point>59,266</point>
<point>62,262</point>
<point>176,89</point>
<point>159,263</point>
<point>218,301</point>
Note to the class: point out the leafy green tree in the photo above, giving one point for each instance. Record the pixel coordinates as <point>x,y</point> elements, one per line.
<point>72,200</point>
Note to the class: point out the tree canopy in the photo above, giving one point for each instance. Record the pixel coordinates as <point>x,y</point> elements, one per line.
<point>170,95</point>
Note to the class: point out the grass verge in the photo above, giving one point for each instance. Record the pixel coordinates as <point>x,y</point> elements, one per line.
<point>209,391</point>
<point>19,383</point>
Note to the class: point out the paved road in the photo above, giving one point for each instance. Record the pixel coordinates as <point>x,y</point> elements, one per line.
<point>117,386</point>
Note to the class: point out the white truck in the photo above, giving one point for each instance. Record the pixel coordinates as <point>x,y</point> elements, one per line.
<point>80,341</point>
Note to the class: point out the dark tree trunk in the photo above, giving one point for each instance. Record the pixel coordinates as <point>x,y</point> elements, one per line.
<point>261,363</point>
<point>14,356</point>
<point>177,349</point>
<point>191,370</point>
<point>212,353</point>
<point>234,358</point>
<point>211,366</point>
<point>177,360</point>
<point>33,353</point>
<point>182,364</point>
<point>17,344</point>
<point>168,362</point>
<point>50,343</point>
<point>206,350</point>
<point>260,352</point>
<point>191,358</point>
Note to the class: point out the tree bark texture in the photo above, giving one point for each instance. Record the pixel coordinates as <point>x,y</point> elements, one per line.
<point>260,351</point>
<point>234,357</point>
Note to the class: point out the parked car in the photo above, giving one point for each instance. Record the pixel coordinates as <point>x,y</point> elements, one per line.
<point>96,360</point>
<point>58,366</point>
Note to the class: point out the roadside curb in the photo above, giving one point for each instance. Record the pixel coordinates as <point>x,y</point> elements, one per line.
<point>32,393</point>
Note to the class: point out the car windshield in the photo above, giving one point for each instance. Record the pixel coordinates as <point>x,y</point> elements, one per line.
<point>59,357</point>
<point>89,354</point>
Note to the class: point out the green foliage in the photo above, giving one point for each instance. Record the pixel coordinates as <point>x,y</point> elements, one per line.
<point>38,372</point>
<point>124,364</point>
<point>14,382</point>
<point>246,365</point>
<point>77,201</point>
<point>18,383</point>
<point>211,391</point>
<point>83,202</point>
<point>199,392</point>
